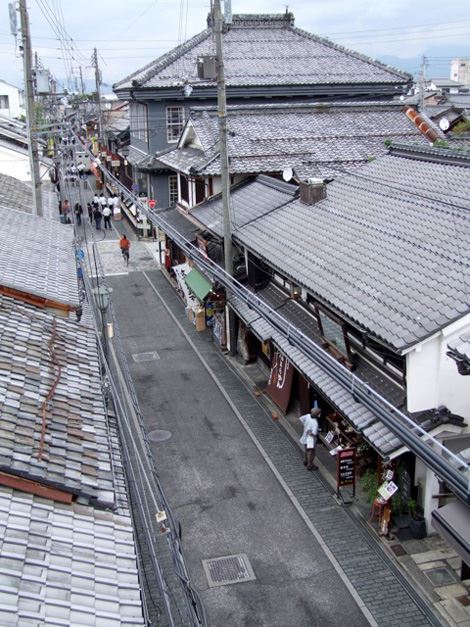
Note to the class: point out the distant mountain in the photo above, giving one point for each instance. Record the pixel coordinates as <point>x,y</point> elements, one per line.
<point>438,61</point>
<point>407,65</point>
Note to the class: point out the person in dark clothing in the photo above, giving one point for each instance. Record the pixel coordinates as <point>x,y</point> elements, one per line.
<point>90,212</point>
<point>97,217</point>
<point>78,213</point>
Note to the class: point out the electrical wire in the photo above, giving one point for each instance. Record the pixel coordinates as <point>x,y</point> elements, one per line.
<point>404,428</point>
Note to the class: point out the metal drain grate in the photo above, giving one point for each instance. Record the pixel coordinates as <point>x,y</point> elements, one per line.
<point>150,356</point>
<point>440,576</point>
<point>222,571</point>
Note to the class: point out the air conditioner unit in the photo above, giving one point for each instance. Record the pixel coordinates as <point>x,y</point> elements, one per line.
<point>207,67</point>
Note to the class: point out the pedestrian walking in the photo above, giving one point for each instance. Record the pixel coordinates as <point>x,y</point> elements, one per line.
<point>110,203</point>
<point>90,212</point>
<point>124,245</point>
<point>97,217</point>
<point>103,202</point>
<point>81,170</point>
<point>78,213</point>
<point>96,201</point>
<point>107,213</point>
<point>65,212</point>
<point>309,436</point>
<point>116,204</point>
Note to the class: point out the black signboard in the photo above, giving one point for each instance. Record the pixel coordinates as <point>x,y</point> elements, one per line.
<point>346,469</point>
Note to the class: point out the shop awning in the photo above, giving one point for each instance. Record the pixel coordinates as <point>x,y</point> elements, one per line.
<point>198,284</point>
<point>453,523</point>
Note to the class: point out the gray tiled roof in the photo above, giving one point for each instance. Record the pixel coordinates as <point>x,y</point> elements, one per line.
<point>76,452</point>
<point>65,564</point>
<point>177,221</point>
<point>41,261</point>
<point>16,194</point>
<point>316,139</point>
<point>185,159</point>
<point>135,156</point>
<point>264,50</point>
<point>248,201</point>
<point>387,248</point>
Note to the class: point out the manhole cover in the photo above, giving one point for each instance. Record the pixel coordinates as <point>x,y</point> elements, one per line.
<point>440,576</point>
<point>221,571</point>
<point>398,550</point>
<point>159,435</point>
<point>150,356</point>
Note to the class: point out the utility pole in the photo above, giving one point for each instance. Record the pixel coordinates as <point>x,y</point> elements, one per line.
<point>224,169</point>
<point>30,113</point>
<point>422,82</point>
<point>82,84</point>
<point>94,62</point>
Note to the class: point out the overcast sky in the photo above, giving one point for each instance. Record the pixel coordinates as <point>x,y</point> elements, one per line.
<point>130,33</point>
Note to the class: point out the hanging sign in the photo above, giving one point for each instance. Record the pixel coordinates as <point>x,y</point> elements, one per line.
<point>280,381</point>
<point>152,204</point>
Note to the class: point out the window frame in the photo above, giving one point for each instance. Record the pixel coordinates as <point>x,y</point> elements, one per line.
<point>139,121</point>
<point>322,311</point>
<point>172,193</point>
<point>171,124</point>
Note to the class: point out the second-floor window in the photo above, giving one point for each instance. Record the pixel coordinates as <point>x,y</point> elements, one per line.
<point>174,123</point>
<point>4,102</point>
<point>172,189</point>
<point>139,122</point>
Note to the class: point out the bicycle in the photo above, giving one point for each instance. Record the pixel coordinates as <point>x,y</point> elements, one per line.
<point>125,255</point>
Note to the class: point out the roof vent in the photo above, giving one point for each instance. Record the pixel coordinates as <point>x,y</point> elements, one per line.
<point>207,67</point>
<point>312,191</point>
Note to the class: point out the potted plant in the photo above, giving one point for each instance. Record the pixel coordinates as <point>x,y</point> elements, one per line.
<point>417,521</point>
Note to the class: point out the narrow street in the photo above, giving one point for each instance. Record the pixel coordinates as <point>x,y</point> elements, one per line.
<point>237,484</point>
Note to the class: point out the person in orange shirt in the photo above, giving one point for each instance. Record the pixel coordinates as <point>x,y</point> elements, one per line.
<point>124,245</point>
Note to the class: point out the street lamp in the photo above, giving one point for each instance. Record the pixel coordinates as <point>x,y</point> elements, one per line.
<point>102,295</point>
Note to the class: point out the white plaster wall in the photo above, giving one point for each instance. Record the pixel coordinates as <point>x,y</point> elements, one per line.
<point>216,185</point>
<point>15,100</point>
<point>14,164</point>
<point>433,378</point>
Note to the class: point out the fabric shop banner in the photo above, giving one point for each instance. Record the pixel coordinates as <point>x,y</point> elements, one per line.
<point>280,381</point>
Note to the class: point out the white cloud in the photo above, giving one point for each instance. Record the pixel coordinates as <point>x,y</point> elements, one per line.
<point>127,40</point>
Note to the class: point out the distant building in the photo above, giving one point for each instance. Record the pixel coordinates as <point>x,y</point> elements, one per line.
<point>11,100</point>
<point>460,70</point>
<point>446,86</point>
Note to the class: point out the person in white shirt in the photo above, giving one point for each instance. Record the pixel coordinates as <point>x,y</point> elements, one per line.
<point>96,200</point>
<point>110,202</point>
<point>107,213</point>
<point>309,436</point>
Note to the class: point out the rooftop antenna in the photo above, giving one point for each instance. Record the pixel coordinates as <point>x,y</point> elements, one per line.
<point>228,11</point>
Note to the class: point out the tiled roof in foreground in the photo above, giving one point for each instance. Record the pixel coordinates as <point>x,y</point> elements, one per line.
<point>37,257</point>
<point>76,455</point>
<point>65,564</point>
<point>387,249</point>
<point>265,50</point>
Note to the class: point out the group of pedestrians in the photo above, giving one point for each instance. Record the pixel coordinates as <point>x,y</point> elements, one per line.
<point>102,208</point>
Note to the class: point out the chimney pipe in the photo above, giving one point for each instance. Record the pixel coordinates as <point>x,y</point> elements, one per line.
<point>312,191</point>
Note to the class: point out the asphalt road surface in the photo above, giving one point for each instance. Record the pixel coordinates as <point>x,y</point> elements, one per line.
<point>227,498</point>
